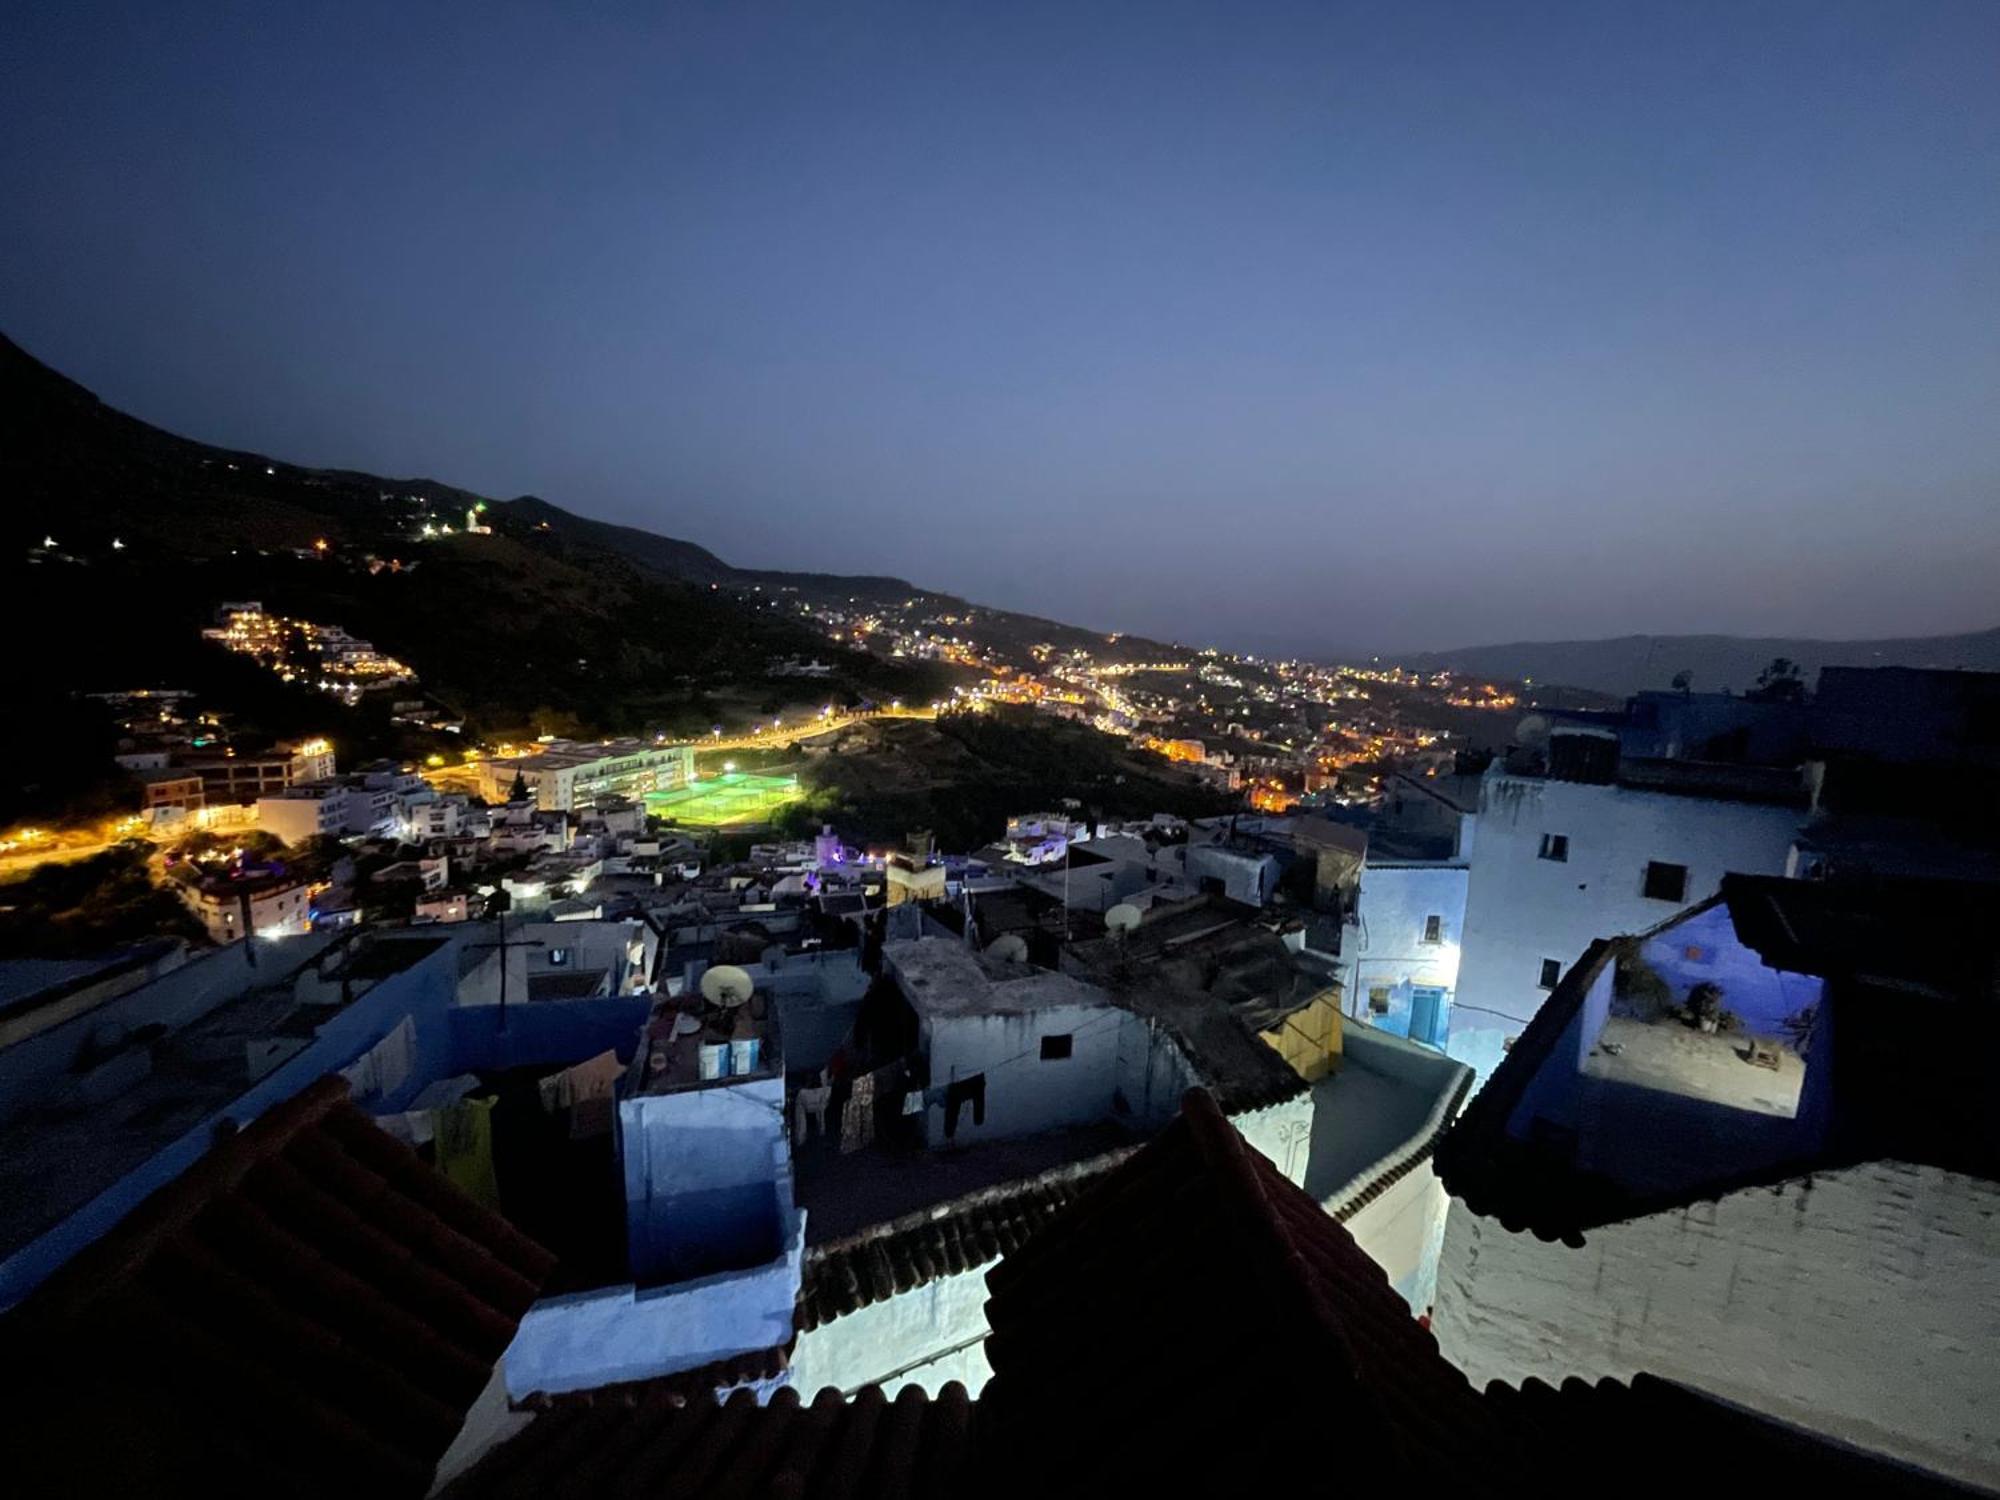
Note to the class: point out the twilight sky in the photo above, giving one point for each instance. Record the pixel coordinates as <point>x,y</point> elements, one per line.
<point>1318,326</point>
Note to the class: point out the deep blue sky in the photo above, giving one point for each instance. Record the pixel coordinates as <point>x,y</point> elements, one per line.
<point>1321,325</point>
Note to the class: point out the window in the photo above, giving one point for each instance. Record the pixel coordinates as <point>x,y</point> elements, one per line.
<point>1552,973</point>
<point>1434,928</point>
<point>1555,846</point>
<point>1055,1048</point>
<point>558,957</point>
<point>1378,999</point>
<point>1666,882</point>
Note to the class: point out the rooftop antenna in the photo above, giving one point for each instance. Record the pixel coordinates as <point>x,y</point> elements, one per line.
<point>501,947</point>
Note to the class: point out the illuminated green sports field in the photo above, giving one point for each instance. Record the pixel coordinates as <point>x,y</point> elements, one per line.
<point>723,801</point>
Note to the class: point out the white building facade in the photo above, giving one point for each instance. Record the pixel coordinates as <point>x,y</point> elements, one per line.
<point>1558,864</point>
<point>1403,962</point>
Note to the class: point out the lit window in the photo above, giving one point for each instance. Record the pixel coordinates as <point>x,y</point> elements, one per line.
<point>1055,1048</point>
<point>1552,973</point>
<point>1555,846</point>
<point>1434,928</point>
<point>558,957</point>
<point>1666,882</point>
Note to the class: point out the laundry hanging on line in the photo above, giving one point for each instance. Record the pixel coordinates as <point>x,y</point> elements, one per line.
<point>962,1091</point>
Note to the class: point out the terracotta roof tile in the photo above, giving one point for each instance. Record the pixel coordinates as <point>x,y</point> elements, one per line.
<point>1191,1257</point>
<point>912,1447</point>
<point>948,1239</point>
<point>308,1306</point>
<point>710,1381</point>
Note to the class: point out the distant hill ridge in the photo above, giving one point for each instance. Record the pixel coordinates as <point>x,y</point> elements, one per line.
<point>64,446</point>
<point>1625,664</point>
<point>76,468</point>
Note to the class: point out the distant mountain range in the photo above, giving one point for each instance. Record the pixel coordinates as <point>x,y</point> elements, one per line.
<point>554,617</point>
<point>557,609</point>
<point>1628,663</point>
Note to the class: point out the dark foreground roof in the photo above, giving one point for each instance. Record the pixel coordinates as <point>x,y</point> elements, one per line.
<point>1689,1444</point>
<point>945,1240</point>
<point>912,1448</point>
<point>1192,1324</point>
<point>309,1309</point>
<point>1170,1330</point>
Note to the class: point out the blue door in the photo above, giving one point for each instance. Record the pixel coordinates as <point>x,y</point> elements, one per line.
<point>1429,1017</point>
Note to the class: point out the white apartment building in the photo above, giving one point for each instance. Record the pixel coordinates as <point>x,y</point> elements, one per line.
<point>276,907</point>
<point>1559,862</point>
<point>318,809</point>
<point>567,776</point>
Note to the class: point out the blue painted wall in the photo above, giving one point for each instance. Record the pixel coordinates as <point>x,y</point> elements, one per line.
<point>708,1180</point>
<point>556,1032</point>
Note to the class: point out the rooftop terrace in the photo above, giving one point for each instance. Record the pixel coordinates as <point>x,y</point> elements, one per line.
<point>106,1092</point>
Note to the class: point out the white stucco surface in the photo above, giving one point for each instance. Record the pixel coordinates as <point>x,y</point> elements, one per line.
<point>926,1336</point>
<point>1402,1231</point>
<point>1389,924</point>
<point>1864,1303</point>
<point>1521,909</point>
<point>621,1333</point>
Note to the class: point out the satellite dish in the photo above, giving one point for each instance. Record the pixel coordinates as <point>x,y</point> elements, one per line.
<point>1122,918</point>
<point>1533,732</point>
<point>725,984</point>
<point>1010,947</point>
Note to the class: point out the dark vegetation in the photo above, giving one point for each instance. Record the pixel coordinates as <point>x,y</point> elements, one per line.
<point>88,906</point>
<point>963,776</point>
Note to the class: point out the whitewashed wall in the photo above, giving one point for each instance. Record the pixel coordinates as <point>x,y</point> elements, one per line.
<point>926,1336</point>
<point>1521,909</point>
<point>1282,1132</point>
<point>621,1333</point>
<point>1864,1303</point>
<point>1388,925</point>
<point>1025,1093</point>
<point>1402,1231</point>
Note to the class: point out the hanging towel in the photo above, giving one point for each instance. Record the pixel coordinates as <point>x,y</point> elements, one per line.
<point>596,1078</point>
<point>465,1149</point>
<point>857,1116</point>
<point>385,1067</point>
<point>812,1104</point>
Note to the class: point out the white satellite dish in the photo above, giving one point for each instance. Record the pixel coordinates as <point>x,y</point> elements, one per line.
<point>1009,947</point>
<point>1122,918</point>
<point>725,984</point>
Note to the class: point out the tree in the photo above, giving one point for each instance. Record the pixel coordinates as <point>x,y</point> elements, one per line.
<point>1783,681</point>
<point>1683,681</point>
<point>519,791</point>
